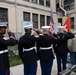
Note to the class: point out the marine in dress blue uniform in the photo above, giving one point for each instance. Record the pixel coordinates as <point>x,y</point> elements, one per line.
<point>45,53</point>
<point>27,51</point>
<point>4,42</point>
<point>61,48</point>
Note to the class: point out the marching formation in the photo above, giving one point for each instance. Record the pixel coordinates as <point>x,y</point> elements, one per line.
<point>43,46</point>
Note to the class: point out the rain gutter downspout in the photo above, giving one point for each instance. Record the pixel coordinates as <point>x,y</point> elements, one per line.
<point>62,7</point>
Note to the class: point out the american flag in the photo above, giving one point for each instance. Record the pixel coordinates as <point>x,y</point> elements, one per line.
<point>51,22</point>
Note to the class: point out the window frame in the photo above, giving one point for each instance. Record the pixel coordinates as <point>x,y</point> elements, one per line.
<point>33,1</point>
<point>34,16</point>
<point>72,22</point>
<point>41,2</point>
<point>27,0</point>
<point>42,21</point>
<point>68,6</point>
<point>48,20</point>
<point>3,14</point>
<point>25,15</point>
<point>48,3</point>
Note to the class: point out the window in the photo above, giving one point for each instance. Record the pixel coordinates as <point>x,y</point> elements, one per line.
<point>41,2</point>
<point>66,5</point>
<point>34,1</point>
<point>48,20</point>
<point>69,4</point>
<point>72,5</point>
<point>72,22</point>
<point>42,20</point>
<point>26,0</point>
<point>48,3</point>
<point>60,20</point>
<point>26,16</point>
<point>57,7</point>
<point>35,20</point>
<point>3,15</point>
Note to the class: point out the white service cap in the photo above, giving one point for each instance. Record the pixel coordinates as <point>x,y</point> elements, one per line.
<point>45,27</point>
<point>28,26</point>
<point>61,27</point>
<point>2,24</point>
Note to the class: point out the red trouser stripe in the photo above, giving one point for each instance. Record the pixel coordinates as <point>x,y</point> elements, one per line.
<point>6,71</point>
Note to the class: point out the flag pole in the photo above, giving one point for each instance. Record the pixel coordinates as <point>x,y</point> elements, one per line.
<point>51,21</point>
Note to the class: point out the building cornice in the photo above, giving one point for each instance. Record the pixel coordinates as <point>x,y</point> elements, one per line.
<point>4,2</point>
<point>21,5</point>
<point>71,13</point>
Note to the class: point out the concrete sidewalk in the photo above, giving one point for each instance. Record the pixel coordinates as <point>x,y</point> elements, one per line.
<point>18,70</point>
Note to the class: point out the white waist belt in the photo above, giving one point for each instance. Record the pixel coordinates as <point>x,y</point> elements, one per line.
<point>3,51</point>
<point>29,49</point>
<point>45,48</point>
